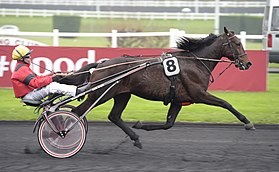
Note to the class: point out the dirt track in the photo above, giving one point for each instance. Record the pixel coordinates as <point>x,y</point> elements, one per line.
<point>185,147</point>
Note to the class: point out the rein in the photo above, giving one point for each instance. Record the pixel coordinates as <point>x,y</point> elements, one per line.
<point>222,72</point>
<point>144,60</point>
<point>212,77</point>
<point>212,60</point>
<point>201,59</point>
<point>111,66</point>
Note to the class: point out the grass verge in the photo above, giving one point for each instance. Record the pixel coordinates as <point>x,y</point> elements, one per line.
<point>260,108</point>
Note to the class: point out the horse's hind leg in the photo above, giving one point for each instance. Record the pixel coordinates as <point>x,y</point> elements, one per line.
<point>82,108</point>
<point>215,101</point>
<point>120,102</point>
<point>172,114</point>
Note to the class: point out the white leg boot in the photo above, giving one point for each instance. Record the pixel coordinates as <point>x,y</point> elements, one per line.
<point>68,90</point>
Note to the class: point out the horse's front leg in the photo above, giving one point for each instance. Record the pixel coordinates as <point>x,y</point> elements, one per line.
<point>172,114</point>
<point>120,102</point>
<point>215,101</point>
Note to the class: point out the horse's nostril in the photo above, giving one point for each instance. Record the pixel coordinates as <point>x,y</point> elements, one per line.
<point>249,64</point>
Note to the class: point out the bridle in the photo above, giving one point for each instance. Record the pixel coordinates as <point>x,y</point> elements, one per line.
<point>200,59</point>
<point>237,62</point>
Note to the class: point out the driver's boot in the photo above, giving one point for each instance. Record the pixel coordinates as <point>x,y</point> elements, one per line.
<point>83,88</point>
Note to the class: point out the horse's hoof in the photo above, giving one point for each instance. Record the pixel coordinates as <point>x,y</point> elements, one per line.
<point>249,126</point>
<point>138,144</point>
<point>137,125</point>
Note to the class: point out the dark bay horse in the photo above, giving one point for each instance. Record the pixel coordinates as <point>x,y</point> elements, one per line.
<point>151,83</point>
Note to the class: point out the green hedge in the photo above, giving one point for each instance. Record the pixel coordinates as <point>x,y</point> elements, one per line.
<point>251,24</point>
<point>66,23</point>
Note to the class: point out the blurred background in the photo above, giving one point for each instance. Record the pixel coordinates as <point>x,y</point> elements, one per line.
<point>129,16</point>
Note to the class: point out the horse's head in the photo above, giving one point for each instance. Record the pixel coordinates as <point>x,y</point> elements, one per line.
<point>233,49</point>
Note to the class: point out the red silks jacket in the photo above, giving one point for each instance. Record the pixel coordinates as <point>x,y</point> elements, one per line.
<point>24,80</point>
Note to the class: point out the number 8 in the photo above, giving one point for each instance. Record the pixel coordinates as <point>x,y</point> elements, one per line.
<point>171,66</point>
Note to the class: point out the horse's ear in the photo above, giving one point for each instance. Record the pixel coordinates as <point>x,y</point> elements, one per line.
<point>227,32</point>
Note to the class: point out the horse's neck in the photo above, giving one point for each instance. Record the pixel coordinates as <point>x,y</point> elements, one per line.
<point>212,52</point>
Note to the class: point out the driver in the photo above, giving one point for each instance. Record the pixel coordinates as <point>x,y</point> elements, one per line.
<point>32,88</point>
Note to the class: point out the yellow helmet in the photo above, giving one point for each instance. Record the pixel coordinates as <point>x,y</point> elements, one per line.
<point>20,52</point>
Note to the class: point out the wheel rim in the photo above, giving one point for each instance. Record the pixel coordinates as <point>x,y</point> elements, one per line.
<point>68,107</point>
<point>57,146</point>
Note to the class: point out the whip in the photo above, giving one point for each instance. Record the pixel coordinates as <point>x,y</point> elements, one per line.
<point>41,66</point>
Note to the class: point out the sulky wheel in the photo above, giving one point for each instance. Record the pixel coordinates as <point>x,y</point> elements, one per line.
<point>69,139</point>
<point>70,108</point>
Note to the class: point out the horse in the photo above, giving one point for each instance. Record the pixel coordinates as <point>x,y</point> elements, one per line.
<point>78,77</point>
<point>189,85</point>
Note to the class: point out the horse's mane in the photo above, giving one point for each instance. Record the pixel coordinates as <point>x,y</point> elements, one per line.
<point>191,44</point>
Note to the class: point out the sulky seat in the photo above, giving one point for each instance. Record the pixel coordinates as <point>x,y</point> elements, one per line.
<point>31,102</point>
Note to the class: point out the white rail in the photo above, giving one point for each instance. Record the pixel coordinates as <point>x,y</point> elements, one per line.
<point>113,14</point>
<point>173,34</point>
<point>149,3</point>
<point>106,14</point>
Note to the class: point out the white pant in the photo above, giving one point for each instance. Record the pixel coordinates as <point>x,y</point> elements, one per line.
<point>54,87</point>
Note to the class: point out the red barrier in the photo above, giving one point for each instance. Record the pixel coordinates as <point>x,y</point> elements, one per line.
<point>254,79</point>
<point>72,58</point>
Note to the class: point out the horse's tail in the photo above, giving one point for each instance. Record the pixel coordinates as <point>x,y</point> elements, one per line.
<point>87,67</point>
<point>79,77</point>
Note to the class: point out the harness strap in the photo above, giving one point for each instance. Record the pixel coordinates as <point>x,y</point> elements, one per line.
<point>170,97</point>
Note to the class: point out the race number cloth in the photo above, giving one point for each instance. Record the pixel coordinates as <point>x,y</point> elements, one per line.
<point>171,66</point>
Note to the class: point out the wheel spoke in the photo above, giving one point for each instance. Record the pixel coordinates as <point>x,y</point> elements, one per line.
<point>62,147</point>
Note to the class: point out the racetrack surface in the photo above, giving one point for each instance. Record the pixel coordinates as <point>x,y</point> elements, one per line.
<point>185,147</point>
